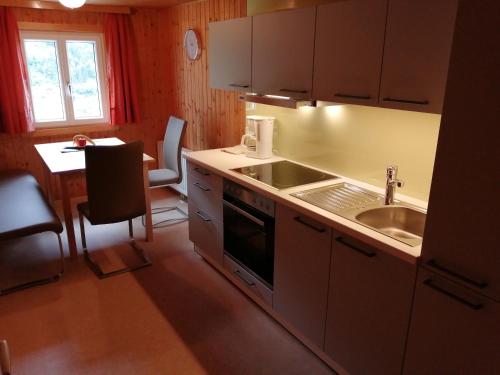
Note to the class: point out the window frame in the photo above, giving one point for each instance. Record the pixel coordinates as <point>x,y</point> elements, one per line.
<point>61,37</point>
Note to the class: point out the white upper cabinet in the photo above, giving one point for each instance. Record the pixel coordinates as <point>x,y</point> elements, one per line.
<point>230,54</point>
<point>416,54</point>
<point>282,54</point>
<point>348,51</point>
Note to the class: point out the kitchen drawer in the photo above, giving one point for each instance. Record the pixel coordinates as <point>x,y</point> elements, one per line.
<point>208,178</point>
<point>206,233</point>
<point>205,197</point>
<point>249,282</point>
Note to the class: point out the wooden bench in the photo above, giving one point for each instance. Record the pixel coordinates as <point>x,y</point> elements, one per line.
<point>24,211</point>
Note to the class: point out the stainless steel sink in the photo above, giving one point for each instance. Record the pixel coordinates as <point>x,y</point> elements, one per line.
<point>400,222</point>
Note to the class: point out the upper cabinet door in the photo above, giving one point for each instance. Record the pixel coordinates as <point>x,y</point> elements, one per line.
<point>348,52</point>
<point>230,54</point>
<point>416,54</point>
<point>282,57</point>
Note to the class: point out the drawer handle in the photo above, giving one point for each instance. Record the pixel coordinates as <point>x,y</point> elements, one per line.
<point>295,91</point>
<point>200,214</point>
<point>476,283</point>
<point>238,273</point>
<point>313,227</point>
<point>419,102</point>
<point>200,186</point>
<point>201,171</point>
<point>473,305</point>
<point>238,85</point>
<point>369,254</point>
<point>349,96</point>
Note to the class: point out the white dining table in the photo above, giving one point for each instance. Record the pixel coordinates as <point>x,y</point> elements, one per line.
<point>67,165</point>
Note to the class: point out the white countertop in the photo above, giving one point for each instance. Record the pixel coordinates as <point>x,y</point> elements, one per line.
<point>221,163</point>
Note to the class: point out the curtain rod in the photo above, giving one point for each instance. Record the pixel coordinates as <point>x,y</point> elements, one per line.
<point>39,4</point>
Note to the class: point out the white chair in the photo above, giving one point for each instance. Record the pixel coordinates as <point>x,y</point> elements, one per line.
<point>172,173</point>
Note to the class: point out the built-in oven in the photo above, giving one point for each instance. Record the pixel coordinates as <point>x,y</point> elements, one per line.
<point>249,230</point>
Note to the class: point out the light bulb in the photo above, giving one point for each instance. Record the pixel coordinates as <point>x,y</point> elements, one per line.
<point>72,3</point>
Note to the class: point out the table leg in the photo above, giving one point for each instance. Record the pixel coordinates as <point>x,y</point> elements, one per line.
<point>48,184</point>
<point>68,216</point>
<point>147,194</point>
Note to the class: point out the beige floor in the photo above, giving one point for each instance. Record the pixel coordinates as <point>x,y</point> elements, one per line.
<point>179,316</point>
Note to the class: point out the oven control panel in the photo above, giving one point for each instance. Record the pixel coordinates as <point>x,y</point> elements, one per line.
<point>249,197</point>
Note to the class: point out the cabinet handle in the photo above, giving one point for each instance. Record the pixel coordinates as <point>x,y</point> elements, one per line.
<point>295,91</point>
<point>244,213</point>
<point>473,305</point>
<point>201,171</point>
<point>202,216</point>
<point>237,85</point>
<point>200,186</point>
<point>420,102</point>
<point>348,96</point>
<point>238,273</point>
<point>476,283</point>
<point>369,254</point>
<point>313,227</point>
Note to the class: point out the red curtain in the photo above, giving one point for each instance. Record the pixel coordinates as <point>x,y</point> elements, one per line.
<point>16,115</point>
<point>121,70</point>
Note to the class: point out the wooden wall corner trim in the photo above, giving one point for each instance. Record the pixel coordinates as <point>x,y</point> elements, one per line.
<point>40,4</point>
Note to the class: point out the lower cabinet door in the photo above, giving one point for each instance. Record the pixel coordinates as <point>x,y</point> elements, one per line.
<point>301,272</point>
<point>453,330</point>
<point>369,308</point>
<point>206,234</point>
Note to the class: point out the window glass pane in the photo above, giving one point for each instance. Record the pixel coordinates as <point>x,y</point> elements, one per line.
<point>83,78</point>
<point>43,68</point>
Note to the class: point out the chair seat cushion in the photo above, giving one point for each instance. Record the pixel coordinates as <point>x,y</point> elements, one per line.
<point>161,177</point>
<point>24,208</point>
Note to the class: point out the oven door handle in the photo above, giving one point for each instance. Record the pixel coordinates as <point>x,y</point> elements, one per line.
<point>244,213</point>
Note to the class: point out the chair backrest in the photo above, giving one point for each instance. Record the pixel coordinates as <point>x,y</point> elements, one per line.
<point>115,182</point>
<point>172,145</point>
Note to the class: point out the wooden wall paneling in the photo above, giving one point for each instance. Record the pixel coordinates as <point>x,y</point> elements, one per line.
<point>215,117</point>
<point>52,5</point>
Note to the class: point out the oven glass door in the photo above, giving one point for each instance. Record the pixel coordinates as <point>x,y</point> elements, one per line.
<point>249,239</point>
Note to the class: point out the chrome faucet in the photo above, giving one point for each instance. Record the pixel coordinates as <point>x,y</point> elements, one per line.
<point>391,183</point>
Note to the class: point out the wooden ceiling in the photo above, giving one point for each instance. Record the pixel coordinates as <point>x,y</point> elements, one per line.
<point>137,3</point>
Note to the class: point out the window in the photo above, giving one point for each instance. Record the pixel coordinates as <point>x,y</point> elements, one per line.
<point>67,78</point>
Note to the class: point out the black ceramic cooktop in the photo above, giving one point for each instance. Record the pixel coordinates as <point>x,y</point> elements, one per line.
<point>284,174</point>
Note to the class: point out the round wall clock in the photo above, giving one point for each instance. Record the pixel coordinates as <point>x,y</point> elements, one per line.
<point>192,45</point>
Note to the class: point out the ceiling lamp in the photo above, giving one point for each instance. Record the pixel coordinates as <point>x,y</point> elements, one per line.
<point>72,3</point>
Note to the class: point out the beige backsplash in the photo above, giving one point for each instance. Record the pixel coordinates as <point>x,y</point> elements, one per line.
<point>359,142</point>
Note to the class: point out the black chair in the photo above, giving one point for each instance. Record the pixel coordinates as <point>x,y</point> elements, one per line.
<point>115,188</point>
<point>172,172</point>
